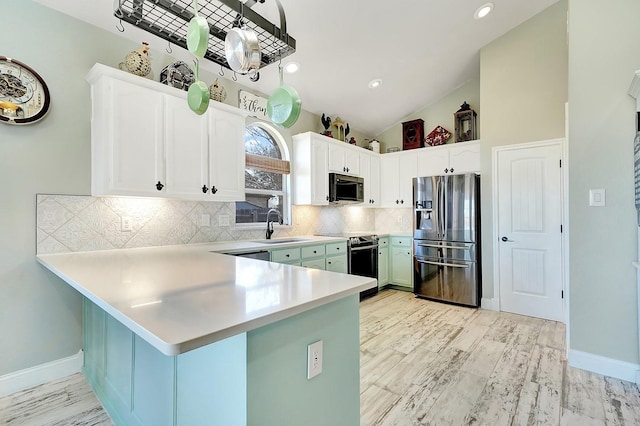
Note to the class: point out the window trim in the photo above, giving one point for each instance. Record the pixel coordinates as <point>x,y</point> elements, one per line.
<point>286,180</point>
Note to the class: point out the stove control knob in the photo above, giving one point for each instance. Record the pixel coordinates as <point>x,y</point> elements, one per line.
<point>353,241</point>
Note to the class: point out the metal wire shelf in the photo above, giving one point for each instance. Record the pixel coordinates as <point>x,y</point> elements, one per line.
<point>169,20</point>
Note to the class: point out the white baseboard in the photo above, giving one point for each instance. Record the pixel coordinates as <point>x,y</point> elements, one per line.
<point>489,304</point>
<point>43,373</point>
<point>607,366</point>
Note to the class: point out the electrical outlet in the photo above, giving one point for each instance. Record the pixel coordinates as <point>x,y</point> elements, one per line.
<point>314,359</point>
<point>205,220</point>
<point>223,220</point>
<point>126,224</point>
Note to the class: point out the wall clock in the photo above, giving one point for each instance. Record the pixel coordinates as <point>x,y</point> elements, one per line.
<point>24,96</point>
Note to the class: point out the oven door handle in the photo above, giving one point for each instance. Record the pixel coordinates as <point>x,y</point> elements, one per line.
<point>444,247</point>
<point>453,265</point>
<point>371,247</point>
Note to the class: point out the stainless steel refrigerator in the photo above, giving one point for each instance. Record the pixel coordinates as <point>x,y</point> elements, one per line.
<point>446,238</point>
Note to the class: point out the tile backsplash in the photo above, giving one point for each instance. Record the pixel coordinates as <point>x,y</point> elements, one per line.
<point>69,223</point>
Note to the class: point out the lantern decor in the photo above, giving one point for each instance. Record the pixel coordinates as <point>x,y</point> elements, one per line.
<point>465,123</point>
<point>342,129</point>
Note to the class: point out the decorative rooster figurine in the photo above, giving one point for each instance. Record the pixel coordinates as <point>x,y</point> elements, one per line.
<point>326,123</point>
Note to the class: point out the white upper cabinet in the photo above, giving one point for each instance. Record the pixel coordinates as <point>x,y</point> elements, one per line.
<point>145,141</point>
<point>127,138</point>
<point>449,159</point>
<point>186,148</point>
<point>397,173</point>
<point>226,156</point>
<point>343,158</point>
<point>370,172</point>
<point>310,169</point>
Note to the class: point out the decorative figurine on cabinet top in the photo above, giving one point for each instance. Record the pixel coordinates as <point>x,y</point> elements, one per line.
<point>465,123</point>
<point>413,134</point>
<point>137,62</point>
<point>326,123</point>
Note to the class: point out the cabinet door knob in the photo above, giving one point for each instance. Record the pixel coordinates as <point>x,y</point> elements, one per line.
<point>327,198</point>
<point>347,169</point>
<point>314,252</point>
<point>397,202</point>
<point>401,201</point>
<point>329,263</point>
<point>446,170</point>
<point>214,189</point>
<point>287,255</point>
<point>159,186</point>
<point>452,170</point>
<point>204,189</point>
<point>344,169</point>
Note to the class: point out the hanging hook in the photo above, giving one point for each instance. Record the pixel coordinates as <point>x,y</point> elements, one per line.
<point>121,27</point>
<point>169,49</point>
<point>119,12</point>
<point>221,71</point>
<point>235,77</point>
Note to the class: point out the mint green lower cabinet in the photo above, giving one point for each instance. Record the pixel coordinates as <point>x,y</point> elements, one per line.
<point>139,385</point>
<point>153,379</point>
<point>258,378</point>
<point>383,266</point>
<point>279,393</point>
<point>212,384</point>
<point>337,263</point>
<point>314,263</point>
<point>401,262</point>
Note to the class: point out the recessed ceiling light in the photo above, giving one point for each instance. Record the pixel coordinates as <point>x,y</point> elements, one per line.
<point>375,83</point>
<point>291,67</point>
<point>483,11</point>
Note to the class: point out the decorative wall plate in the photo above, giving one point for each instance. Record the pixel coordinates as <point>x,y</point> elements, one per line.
<point>24,96</point>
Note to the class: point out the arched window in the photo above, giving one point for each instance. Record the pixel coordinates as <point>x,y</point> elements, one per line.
<point>266,176</point>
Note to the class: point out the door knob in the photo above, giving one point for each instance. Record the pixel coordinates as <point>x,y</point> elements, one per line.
<point>159,186</point>
<point>506,240</point>
<point>214,189</point>
<point>205,189</point>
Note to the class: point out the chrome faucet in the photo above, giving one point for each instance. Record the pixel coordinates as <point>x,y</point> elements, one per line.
<point>270,222</point>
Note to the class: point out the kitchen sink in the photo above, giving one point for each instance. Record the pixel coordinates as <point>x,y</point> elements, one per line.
<point>281,240</point>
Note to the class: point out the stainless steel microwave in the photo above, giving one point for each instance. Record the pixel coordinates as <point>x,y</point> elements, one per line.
<point>345,189</point>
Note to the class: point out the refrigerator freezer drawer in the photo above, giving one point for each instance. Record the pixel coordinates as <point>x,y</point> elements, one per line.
<point>446,280</point>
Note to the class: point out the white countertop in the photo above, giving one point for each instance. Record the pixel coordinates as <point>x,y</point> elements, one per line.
<point>179,298</point>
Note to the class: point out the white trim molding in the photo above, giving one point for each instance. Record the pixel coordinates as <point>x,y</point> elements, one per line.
<point>490,304</point>
<point>43,373</point>
<point>602,365</point>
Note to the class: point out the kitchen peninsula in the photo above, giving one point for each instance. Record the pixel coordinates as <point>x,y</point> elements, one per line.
<point>182,335</point>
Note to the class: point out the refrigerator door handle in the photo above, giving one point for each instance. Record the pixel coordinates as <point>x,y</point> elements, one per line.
<point>444,246</point>
<point>454,265</point>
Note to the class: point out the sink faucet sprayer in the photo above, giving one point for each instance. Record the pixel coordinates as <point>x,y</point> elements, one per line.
<point>270,222</point>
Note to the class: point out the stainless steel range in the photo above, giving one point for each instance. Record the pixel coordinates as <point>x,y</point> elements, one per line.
<point>362,249</point>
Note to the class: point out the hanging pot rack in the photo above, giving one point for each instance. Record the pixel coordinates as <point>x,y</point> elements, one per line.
<point>169,20</point>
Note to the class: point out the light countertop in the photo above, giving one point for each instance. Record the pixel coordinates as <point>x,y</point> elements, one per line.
<point>179,298</point>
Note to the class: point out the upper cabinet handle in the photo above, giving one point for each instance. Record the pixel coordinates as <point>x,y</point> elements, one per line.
<point>159,186</point>
<point>205,189</point>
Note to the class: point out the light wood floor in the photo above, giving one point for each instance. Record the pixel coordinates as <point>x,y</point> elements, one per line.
<point>428,363</point>
<point>423,363</point>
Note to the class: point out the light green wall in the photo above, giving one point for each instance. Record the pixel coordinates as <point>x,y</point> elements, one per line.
<point>278,390</point>
<point>523,91</point>
<point>439,113</point>
<point>603,240</point>
<point>40,316</point>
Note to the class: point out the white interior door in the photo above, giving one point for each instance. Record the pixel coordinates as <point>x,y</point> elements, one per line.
<point>529,209</point>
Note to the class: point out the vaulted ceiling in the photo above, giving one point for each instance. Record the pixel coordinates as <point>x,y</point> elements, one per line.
<point>421,50</point>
